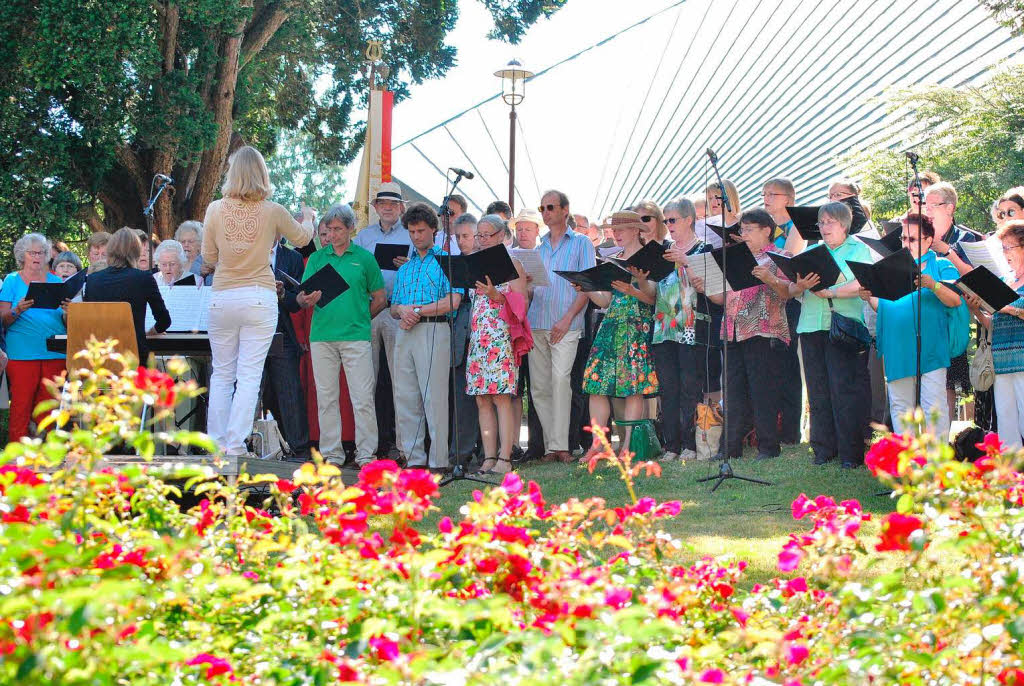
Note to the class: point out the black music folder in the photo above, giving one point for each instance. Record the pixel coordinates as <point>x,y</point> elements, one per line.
<point>385,253</point>
<point>993,292</point>
<point>308,249</point>
<point>285,278</point>
<point>860,217</point>
<point>75,284</point>
<point>328,281</point>
<point>597,278</point>
<point>889,226</point>
<point>805,220</point>
<point>494,262</point>
<point>189,280</point>
<point>46,296</point>
<point>739,262</point>
<point>650,258</point>
<point>891,278</point>
<point>818,260</point>
<point>888,244</point>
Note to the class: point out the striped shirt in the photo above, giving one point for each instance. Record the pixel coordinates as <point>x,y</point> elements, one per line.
<point>574,253</point>
<point>370,236</point>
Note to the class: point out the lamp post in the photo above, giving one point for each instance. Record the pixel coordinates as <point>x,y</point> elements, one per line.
<point>513,89</point>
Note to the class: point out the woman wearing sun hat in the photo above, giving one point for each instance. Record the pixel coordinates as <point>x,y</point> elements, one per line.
<point>620,363</point>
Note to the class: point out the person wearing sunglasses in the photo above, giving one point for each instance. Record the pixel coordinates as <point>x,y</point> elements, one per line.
<point>556,318</point>
<point>717,215</point>
<point>1009,207</point>
<point>928,179</point>
<point>653,221</point>
<point>897,322</point>
<point>836,377</point>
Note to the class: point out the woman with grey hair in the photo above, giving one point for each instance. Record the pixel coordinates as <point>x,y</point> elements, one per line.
<point>686,343</point>
<point>835,375</point>
<point>27,330</point>
<point>492,368</point>
<point>66,265</point>
<point>171,261</point>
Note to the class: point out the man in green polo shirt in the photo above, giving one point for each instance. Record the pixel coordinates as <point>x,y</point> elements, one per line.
<point>339,336</point>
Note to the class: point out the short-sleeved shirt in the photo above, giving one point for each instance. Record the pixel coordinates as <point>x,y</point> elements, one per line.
<point>347,317</point>
<point>897,322</point>
<point>369,237</point>
<point>815,314</point>
<point>26,337</point>
<point>1008,339</point>
<point>758,310</point>
<point>781,234</point>
<point>421,280</point>
<point>675,310</point>
<point>550,303</point>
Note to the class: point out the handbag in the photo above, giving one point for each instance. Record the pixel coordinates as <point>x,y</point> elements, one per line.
<point>708,425</point>
<point>982,371</point>
<point>848,333</point>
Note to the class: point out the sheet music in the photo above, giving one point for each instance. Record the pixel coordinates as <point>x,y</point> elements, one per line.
<point>988,254</point>
<point>189,307</point>
<point>532,265</point>
<point>705,267</point>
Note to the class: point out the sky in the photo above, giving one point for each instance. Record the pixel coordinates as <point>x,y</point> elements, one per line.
<point>776,87</point>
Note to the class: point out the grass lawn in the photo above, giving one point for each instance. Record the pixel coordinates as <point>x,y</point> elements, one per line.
<point>746,520</point>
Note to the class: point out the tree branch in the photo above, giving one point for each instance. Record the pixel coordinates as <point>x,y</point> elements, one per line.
<point>262,30</point>
<point>169,35</point>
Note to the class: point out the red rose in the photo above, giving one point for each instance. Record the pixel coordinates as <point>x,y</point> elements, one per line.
<point>896,530</point>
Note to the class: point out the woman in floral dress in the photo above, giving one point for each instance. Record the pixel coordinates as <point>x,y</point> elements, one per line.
<point>620,363</point>
<point>491,371</point>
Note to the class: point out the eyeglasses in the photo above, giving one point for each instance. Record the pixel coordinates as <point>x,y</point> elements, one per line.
<point>827,222</point>
<point>1008,248</point>
<point>672,220</point>
<point>549,208</point>
<point>35,253</point>
<point>936,204</point>
<point>744,230</point>
<point>646,218</point>
<point>839,195</point>
<point>1003,214</point>
<point>487,235</point>
<point>767,194</point>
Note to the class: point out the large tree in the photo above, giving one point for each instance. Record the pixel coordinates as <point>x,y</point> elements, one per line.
<point>98,96</point>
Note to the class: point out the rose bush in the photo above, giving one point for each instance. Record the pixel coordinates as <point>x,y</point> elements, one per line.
<point>105,578</point>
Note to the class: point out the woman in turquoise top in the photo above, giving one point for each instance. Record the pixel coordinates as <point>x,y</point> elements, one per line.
<point>1007,327</point>
<point>27,330</point>
<point>897,322</point>
<point>620,363</point>
<point>836,377</point>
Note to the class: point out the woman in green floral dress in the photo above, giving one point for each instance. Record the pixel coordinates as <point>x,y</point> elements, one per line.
<point>620,363</point>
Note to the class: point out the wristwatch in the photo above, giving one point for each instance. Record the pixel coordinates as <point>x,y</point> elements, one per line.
<point>416,309</point>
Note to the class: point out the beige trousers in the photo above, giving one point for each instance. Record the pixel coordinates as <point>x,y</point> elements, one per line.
<point>550,369</point>
<point>354,357</point>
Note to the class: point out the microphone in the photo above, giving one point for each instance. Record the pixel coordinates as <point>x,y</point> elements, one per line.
<point>461,172</point>
<point>164,178</point>
<point>912,156</point>
<point>712,156</point>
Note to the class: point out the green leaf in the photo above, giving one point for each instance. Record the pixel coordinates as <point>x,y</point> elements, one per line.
<point>905,504</point>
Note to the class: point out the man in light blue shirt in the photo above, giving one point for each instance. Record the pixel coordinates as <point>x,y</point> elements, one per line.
<point>556,318</point>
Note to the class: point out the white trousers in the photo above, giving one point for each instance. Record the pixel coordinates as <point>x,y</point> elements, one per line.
<point>933,399</point>
<point>242,325</point>
<point>1009,391</point>
<point>329,357</point>
<point>420,387</point>
<point>550,370</point>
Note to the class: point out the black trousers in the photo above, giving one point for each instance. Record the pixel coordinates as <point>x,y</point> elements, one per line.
<point>753,388</point>
<point>835,391</point>
<point>535,442</point>
<point>384,402</point>
<point>683,377</point>
<point>462,443</point>
<point>283,396</point>
<point>791,397</point>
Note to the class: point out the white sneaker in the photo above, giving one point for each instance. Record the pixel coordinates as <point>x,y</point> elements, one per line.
<point>687,455</point>
<point>669,456</point>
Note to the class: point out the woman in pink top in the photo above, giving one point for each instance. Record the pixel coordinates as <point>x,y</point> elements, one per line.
<point>240,232</point>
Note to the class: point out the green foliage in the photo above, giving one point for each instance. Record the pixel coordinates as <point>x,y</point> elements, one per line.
<point>1009,12</point>
<point>98,95</point>
<point>298,177</point>
<point>108,579</point>
<point>972,137</point>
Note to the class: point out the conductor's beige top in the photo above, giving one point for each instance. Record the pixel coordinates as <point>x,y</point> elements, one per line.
<point>238,236</point>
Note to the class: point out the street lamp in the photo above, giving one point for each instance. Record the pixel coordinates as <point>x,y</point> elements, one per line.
<point>513,89</point>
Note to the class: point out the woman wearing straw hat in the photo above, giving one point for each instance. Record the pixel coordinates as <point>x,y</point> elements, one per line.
<point>620,363</point>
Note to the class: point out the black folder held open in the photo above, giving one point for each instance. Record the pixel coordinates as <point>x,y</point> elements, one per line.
<point>650,258</point>
<point>385,254</point>
<point>493,262</point>
<point>891,278</point>
<point>328,281</point>
<point>597,278</point>
<point>817,260</point>
<point>993,292</point>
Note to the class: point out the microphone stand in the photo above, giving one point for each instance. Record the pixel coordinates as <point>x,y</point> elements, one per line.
<point>725,470</point>
<point>147,212</point>
<point>459,472</point>
<point>913,158</point>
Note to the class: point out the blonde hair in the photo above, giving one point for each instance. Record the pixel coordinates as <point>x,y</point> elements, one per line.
<point>124,248</point>
<point>247,177</point>
<point>730,190</point>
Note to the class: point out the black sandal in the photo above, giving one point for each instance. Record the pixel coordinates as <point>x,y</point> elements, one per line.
<point>485,471</point>
<point>511,468</point>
